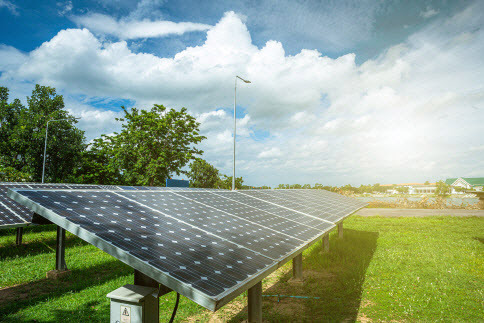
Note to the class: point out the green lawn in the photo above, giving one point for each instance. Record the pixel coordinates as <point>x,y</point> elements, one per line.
<point>403,269</point>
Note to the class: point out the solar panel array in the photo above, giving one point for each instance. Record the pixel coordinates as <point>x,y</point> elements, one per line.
<point>12,214</point>
<point>209,245</point>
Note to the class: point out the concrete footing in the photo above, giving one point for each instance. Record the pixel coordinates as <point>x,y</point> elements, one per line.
<point>254,303</point>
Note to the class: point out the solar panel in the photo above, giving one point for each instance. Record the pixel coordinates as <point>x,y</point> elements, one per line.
<point>209,245</point>
<point>13,214</point>
<point>320,204</point>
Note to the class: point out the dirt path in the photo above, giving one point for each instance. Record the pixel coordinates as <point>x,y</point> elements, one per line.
<point>418,212</point>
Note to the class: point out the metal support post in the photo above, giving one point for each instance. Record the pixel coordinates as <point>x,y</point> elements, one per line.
<point>255,303</point>
<point>20,233</point>
<point>297,271</point>
<point>60,252</point>
<point>326,243</point>
<point>143,280</point>
<point>340,230</point>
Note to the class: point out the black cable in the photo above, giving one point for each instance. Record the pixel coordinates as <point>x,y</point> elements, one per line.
<point>176,307</point>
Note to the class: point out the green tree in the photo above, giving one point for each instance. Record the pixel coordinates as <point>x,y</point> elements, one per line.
<point>226,183</point>
<point>442,189</point>
<point>202,174</point>
<point>10,174</point>
<point>9,119</point>
<point>154,144</point>
<point>98,164</point>
<point>402,189</point>
<point>306,186</point>
<point>23,134</point>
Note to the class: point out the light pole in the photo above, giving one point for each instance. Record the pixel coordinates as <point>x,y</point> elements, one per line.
<point>45,146</point>
<point>235,124</point>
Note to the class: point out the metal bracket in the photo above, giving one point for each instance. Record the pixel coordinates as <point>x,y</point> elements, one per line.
<point>143,280</point>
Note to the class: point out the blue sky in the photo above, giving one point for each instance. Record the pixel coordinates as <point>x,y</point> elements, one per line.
<point>342,92</point>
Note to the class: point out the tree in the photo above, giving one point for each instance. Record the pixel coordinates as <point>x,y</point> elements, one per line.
<point>202,174</point>
<point>9,119</point>
<point>154,144</point>
<point>306,186</point>
<point>427,183</point>
<point>402,189</point>
<point>226,182</point>
<point>10,174</point>
<point>23,133</point>
<point>98,165</point>
<point>442,189</point>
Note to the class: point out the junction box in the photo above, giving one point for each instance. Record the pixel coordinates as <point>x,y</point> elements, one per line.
<point>134,304</point>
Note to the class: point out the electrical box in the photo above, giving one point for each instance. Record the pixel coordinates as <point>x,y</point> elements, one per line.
<point>134,304</point>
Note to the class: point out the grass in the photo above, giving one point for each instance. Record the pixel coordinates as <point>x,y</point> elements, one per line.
<point>401,269</point>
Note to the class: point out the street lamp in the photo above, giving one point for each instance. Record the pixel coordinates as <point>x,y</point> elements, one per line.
<point>235,124</point>
<point>45,146</point>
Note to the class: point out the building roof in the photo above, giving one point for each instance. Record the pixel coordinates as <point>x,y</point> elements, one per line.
<point>473,181</point>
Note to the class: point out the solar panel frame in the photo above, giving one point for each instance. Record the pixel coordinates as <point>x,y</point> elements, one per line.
<point>212,303</point>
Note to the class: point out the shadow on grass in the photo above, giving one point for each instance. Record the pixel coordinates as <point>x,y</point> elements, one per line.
<point>16,298</point>
<point>29,228</point>
<point>89,312</point>
<point>481,240</point>
<point>336,278</point>
<point>35,247</point>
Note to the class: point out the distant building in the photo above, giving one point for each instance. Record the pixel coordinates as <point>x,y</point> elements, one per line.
<point>413,188</point>
<point>476,183</point>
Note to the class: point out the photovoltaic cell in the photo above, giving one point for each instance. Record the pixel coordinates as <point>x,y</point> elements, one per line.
<point>187,253</point>
<point>225,225</point>
<point>319,204</point>
<point>223,201</point>
<point>12,214</point>
<point>209,245</point>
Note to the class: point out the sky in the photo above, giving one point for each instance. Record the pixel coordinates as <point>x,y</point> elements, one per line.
<point>341,92</point>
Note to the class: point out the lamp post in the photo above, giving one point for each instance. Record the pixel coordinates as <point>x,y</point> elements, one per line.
<point>45,146</point>
<point>235,124</point>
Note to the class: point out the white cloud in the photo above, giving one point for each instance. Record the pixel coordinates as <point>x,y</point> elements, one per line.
<point>10,58</point>
<point>407,115</point>
<point>429,12</point>
<point>133,29</point>
<point>10,6</point>
<point>64,7</point>
<point>270,153</point>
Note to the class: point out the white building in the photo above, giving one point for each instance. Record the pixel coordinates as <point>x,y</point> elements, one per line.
<point>476,183</point>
